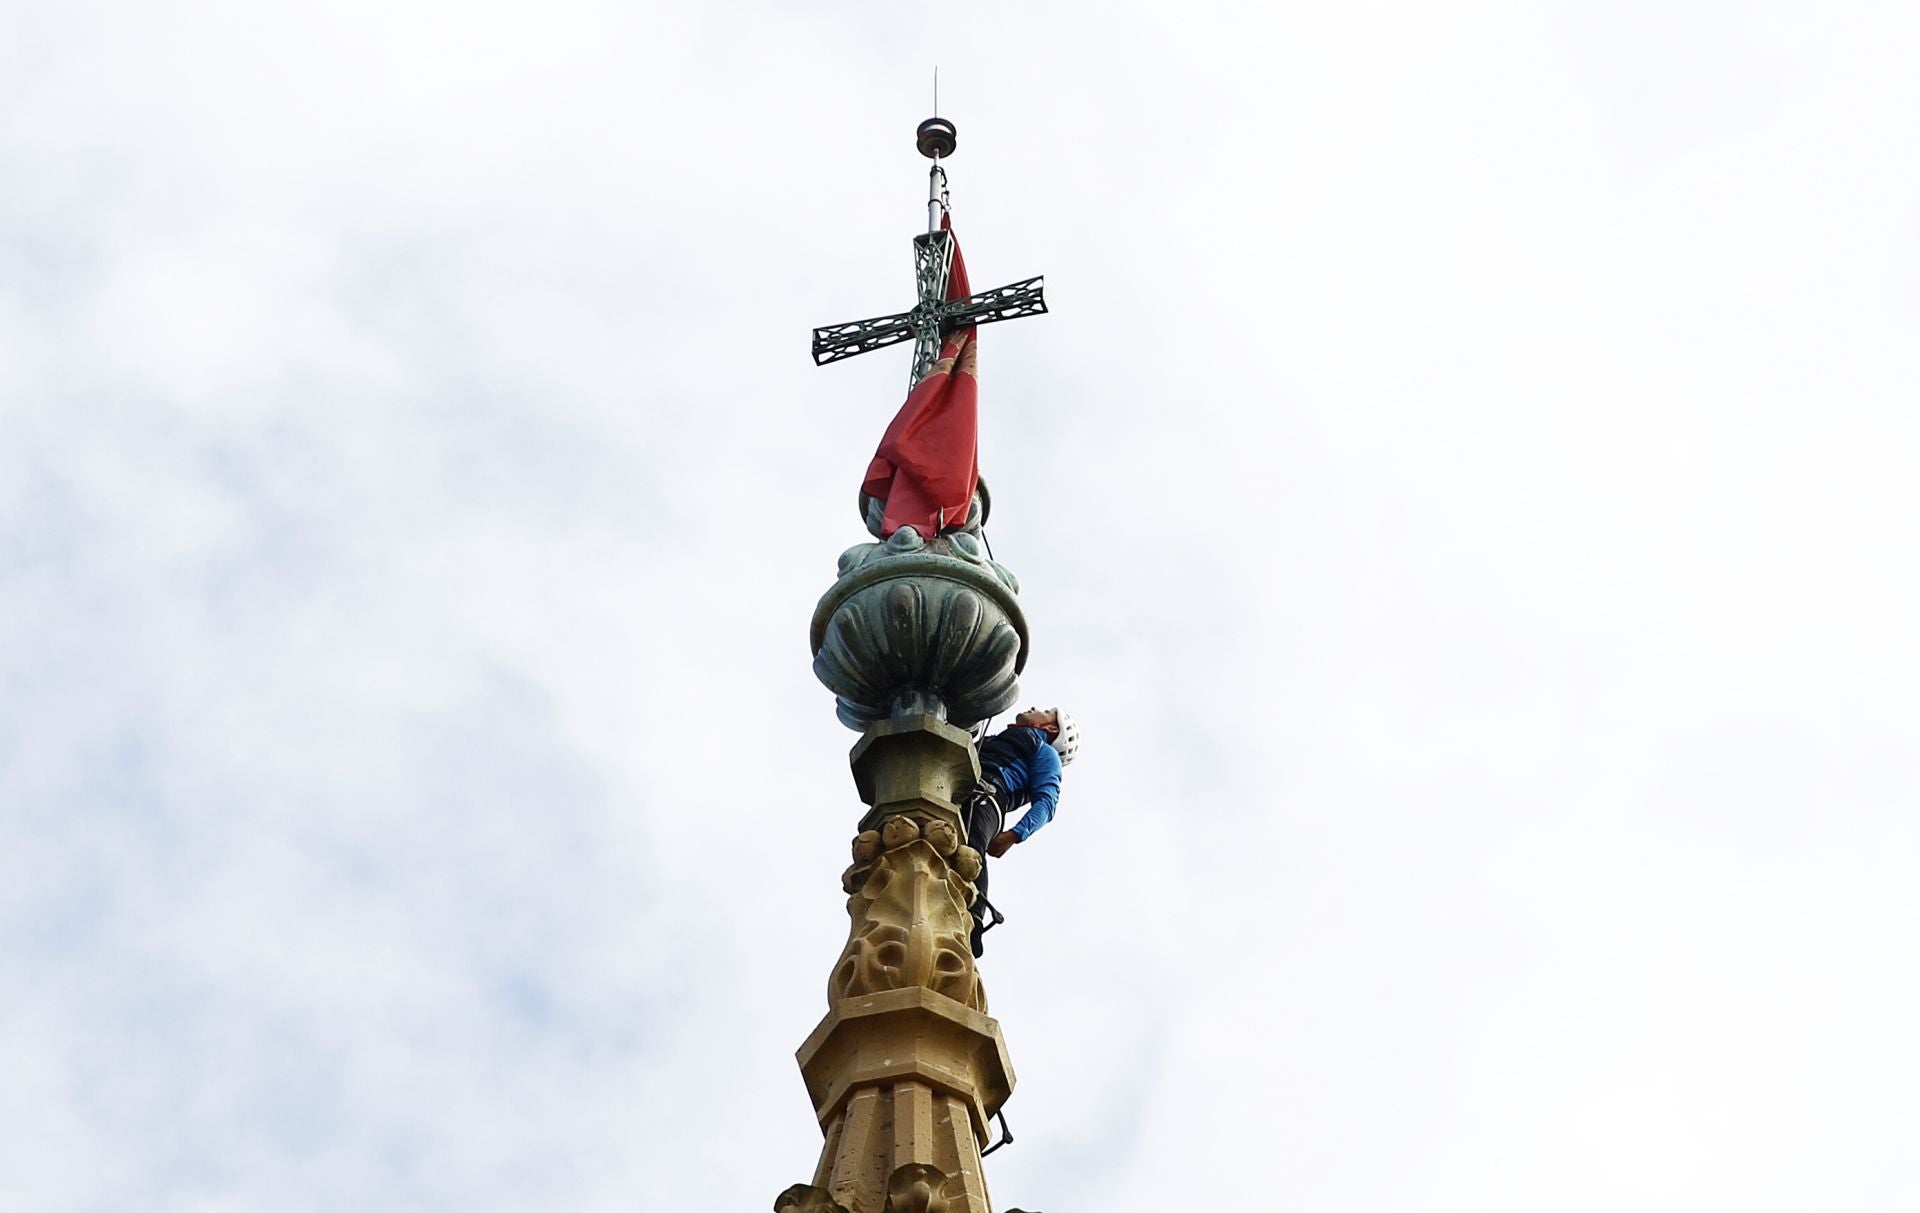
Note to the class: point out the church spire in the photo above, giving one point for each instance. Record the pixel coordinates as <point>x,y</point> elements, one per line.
<point>920,639</point>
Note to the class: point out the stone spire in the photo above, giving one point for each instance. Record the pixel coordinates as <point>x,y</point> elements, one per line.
<point>919,639</point>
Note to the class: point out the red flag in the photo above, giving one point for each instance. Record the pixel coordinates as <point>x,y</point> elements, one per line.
<point>929,460</point>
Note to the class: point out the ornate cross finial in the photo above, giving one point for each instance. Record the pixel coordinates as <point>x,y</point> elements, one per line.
<point>934,315</point>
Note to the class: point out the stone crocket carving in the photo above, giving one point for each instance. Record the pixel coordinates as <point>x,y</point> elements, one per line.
<point>805,1198</point>
<point>908,897</point>
<point>917,1187</point>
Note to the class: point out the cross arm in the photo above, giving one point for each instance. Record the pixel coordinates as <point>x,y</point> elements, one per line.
<point>1023,298</point>
<point>837,341</point>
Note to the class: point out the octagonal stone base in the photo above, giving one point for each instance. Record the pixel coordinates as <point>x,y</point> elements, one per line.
<point>901,1077</point>
<point>914,764</point>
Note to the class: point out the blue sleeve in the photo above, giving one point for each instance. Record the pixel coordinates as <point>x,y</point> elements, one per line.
<point>1043,782</point>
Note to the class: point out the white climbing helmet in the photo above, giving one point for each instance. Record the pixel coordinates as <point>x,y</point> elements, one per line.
<point>1067,742</point>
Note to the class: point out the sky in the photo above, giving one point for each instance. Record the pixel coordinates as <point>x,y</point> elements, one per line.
<point>1463,487</point>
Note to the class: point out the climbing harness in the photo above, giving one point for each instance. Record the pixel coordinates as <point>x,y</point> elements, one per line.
<point>982,799</point>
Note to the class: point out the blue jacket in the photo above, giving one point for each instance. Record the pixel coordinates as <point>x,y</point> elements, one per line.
<point>1026,770</point>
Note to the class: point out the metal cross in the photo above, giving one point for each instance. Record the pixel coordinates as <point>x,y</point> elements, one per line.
<point>933,316</point>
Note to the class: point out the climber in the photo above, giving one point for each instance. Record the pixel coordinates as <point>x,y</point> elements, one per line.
<point>1019,765</point>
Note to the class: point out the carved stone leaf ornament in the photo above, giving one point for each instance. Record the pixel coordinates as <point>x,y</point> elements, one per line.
<point>917,1187</point>
<point>967,862</point>
<point>943,837</point>
<point>805,1198</point>
<point>899,831</point>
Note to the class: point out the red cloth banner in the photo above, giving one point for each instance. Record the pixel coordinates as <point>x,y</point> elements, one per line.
<point>929,460</point>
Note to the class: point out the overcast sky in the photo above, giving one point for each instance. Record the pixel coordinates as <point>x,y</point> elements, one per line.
<point>1464,486</point>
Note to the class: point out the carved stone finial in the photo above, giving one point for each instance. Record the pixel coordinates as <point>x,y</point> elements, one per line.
<point>805,1198</point>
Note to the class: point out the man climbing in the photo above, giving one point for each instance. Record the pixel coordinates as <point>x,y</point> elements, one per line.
<point>1019,765</point>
